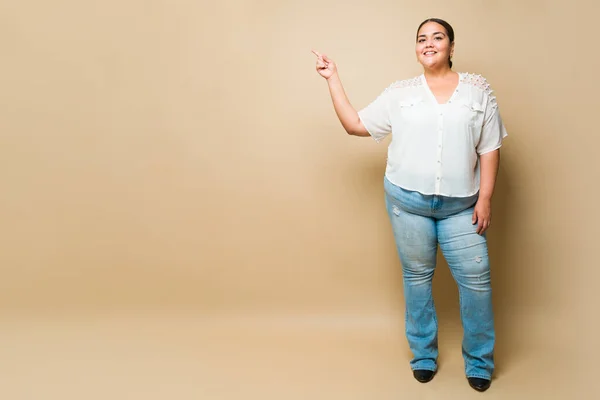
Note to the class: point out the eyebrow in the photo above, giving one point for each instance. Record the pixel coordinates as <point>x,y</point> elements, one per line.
<point>435,33</point>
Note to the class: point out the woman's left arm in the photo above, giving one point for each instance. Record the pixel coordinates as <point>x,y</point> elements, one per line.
<point>482,216</point>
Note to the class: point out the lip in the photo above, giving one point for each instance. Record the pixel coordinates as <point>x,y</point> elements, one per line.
<point>433,53</point>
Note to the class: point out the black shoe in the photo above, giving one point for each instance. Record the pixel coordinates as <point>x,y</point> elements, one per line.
<point>423,375</point>
<point>479,384</point>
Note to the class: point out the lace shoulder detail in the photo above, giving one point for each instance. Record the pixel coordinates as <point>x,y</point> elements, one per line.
<point>482,84</point>
<point>476,80</point>
<point>406,83</point>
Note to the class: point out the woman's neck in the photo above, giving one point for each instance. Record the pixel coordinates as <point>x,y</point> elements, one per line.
<point>437,73</point>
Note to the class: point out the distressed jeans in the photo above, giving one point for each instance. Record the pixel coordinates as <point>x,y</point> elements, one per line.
<point>419,222</point>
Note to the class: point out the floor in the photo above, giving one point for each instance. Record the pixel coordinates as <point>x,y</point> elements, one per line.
<point>177,355</point>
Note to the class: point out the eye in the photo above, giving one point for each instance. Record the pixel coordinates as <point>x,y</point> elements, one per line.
<point>439,38</point>
<point>421,40</point>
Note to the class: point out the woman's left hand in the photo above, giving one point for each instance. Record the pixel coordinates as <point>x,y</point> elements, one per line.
<point>482,216</point>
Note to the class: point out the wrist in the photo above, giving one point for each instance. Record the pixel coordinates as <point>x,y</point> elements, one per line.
<point>333,78</point>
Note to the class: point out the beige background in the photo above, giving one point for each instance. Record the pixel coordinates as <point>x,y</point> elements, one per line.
<point>183,216</point>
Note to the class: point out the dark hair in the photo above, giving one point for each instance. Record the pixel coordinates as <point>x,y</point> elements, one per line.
<point>446,26</point>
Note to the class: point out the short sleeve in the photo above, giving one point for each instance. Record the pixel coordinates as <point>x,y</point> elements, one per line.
<point>493,130</point>
<point>376,116</point>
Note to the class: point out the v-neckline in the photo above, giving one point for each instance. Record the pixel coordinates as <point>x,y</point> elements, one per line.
<point>428,89</point>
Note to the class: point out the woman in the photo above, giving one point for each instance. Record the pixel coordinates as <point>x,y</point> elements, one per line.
<point>440,176</point>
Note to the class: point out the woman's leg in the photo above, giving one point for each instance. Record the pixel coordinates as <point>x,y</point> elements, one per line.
<point>416,242</point>
<point>467,256</point>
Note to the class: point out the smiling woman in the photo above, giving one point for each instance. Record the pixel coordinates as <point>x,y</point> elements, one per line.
<point>443,48</point>
<point>441,172</point>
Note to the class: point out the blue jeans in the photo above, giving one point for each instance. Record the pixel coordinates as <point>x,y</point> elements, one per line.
<point>419,222</point>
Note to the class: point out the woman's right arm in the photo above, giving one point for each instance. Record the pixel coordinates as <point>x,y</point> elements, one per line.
<point>344,110</point>
<point>347,115</point>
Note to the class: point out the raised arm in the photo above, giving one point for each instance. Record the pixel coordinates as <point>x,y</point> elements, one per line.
<point>346,113</point>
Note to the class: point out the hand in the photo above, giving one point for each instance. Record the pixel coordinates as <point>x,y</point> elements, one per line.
<point>325,66</point>
<point>482,216</point>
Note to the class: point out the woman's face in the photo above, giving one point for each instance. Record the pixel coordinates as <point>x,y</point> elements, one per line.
<point>433,46</point>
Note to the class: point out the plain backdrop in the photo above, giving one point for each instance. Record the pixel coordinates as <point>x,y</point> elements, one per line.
<point>164,158</point>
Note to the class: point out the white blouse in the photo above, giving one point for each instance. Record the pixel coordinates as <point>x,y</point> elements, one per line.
<point>435,147</point>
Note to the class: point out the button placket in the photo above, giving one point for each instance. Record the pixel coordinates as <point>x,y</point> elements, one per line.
<point>439,152</point>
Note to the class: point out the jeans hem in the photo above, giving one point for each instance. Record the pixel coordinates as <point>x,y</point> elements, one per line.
<point>433,369</point>
<point>489,378</point>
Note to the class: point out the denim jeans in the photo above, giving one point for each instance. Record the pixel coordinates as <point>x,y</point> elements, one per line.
<point>419,222</point>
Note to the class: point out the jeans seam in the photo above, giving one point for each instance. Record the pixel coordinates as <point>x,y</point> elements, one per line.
<point>435,320</point>
<point>460,305</point>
